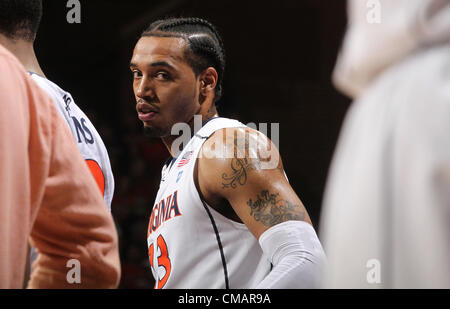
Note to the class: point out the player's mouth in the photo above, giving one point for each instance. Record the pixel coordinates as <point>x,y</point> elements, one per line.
<point>146,116</point>
<point>145,111</point>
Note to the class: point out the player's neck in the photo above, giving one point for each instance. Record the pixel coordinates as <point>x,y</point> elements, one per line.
<point>168,140</point>
<point>24,51</point>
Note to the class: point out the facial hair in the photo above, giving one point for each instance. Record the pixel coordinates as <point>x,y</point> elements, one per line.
<point>151,132</point>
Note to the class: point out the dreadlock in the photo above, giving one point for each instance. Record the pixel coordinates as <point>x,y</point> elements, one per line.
<point>205,46</point>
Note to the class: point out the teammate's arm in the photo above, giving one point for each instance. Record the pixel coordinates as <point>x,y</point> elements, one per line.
<point>244,167</point>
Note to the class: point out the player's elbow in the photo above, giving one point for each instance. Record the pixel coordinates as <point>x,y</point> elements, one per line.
<point>105,268</point>
<point>100,263</point>
<point>296,254</point>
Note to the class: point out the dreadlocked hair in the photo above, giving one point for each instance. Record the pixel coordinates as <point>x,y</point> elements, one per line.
<point>205,46</point>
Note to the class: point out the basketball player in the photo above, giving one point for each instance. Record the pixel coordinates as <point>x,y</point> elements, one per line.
<point>47,194</point>
<point>19,24</point>
<point>218,221</point>
<point>386,215</point>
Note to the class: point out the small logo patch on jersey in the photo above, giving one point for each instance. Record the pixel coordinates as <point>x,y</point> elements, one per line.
<point>185,159</point>
<point>179,175</point>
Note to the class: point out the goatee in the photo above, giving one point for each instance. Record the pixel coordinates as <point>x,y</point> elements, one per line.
<point>153,132</point>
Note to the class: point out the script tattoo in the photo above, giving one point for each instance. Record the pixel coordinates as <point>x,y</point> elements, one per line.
<point>270,210</point>
<point>240,164</point>
<point>240,169</point>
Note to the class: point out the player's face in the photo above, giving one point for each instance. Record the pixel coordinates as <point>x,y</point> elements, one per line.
<point>165,86</point>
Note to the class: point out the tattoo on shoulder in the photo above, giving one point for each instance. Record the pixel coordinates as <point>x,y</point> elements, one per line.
<point>269,209</point>
<point>243,152</point>
<point>240,168</point>
<point>241,164</point>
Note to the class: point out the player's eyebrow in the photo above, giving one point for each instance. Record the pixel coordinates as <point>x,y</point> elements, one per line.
<point>155,64</point>
<point>162,64</point>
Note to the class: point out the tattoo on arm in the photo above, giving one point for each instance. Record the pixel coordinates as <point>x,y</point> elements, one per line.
<point>240,169</point>
<point>240,164</point>
<point>270,210</point>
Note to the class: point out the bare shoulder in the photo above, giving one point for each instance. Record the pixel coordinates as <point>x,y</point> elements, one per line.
<point>230,154</point>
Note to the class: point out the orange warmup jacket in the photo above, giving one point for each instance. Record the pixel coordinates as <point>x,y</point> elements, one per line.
<point>47,194</point>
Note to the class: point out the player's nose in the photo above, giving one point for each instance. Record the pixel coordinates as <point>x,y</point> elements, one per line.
<point>145,89</point>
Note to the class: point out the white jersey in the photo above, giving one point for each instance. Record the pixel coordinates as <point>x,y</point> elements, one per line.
<point>88,140</point>
<point>190,244</point>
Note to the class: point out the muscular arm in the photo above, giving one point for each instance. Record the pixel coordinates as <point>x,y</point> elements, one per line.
<point>243,167</point>
<point>232,166</point>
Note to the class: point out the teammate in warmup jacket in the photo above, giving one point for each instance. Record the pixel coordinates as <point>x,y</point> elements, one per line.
<point>47,193</point>
<point>18,30</point>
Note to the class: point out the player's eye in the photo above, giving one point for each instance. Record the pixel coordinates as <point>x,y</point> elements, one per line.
<point>162,75</point>
<point>136,74</point>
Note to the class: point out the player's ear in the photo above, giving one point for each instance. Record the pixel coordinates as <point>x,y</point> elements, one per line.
<point>208,82</point>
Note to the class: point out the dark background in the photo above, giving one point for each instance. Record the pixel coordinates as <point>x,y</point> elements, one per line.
<point>280,55</point>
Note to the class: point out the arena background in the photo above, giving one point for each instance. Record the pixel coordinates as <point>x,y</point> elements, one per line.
<point>280,55</point>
